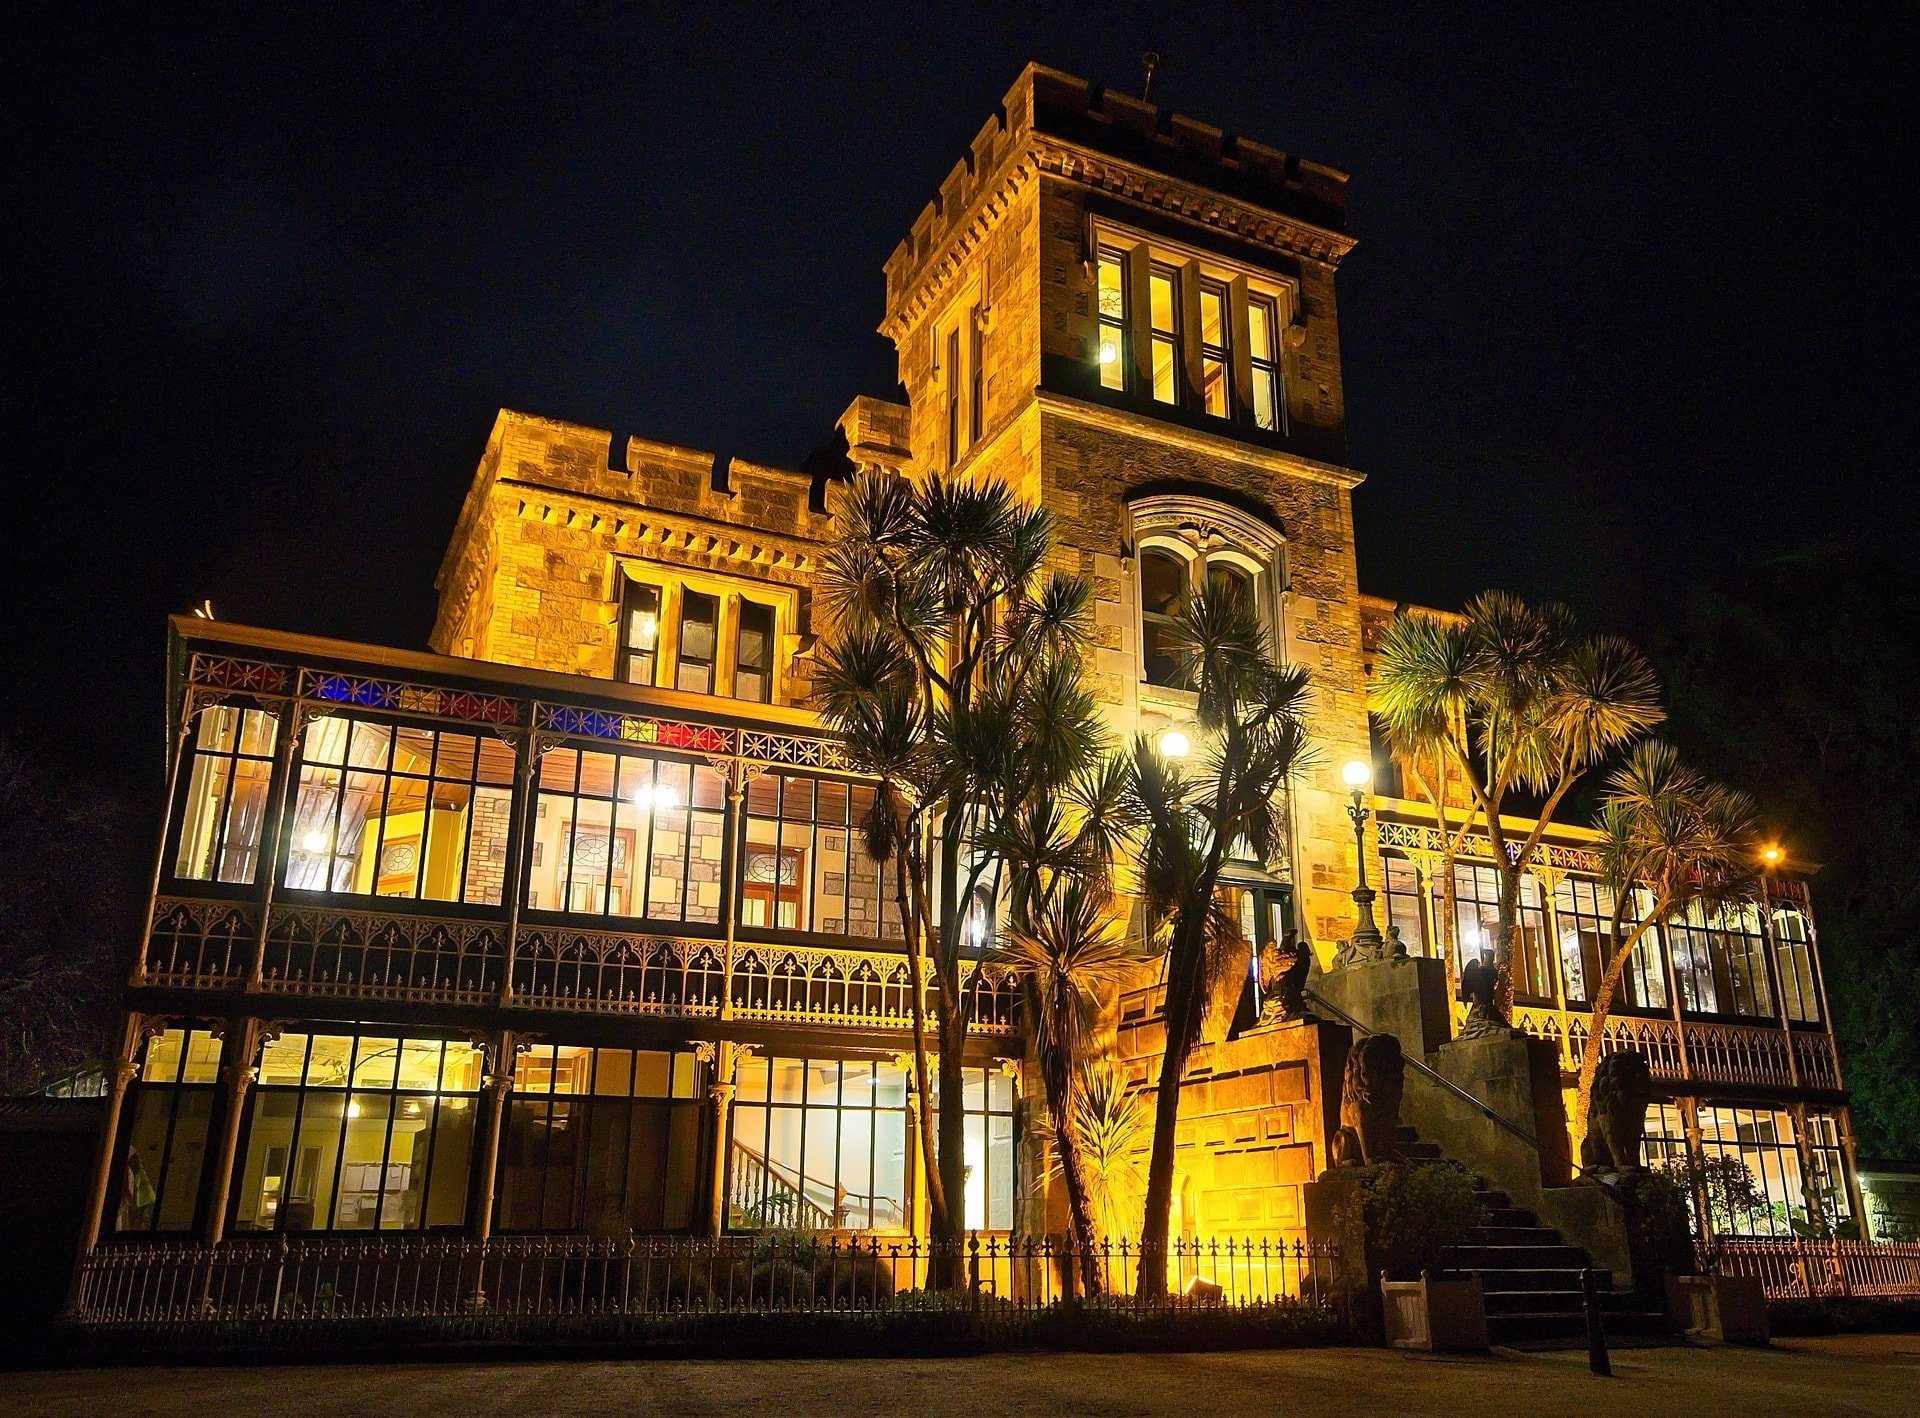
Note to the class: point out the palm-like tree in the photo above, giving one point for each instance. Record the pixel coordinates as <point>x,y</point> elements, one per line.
<point>1519,703</point>
<point>952,672</point>
<point>1251,710</point>
<point>1071,956</point>
<point>1670,839</point>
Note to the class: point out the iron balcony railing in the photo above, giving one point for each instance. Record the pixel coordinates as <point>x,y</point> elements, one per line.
<point>283,1283</point>
<point>384,956</point>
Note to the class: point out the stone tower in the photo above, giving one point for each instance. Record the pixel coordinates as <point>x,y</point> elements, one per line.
<point>1129,316</point>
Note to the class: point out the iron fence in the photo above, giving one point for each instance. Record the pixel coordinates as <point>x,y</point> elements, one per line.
<point>283,1281</point>
<point>1798,1267</point>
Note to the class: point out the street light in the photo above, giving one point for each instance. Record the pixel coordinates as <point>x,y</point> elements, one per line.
<point>1367,940</point>
<point>1771,854</point>
<point>1174,744</point>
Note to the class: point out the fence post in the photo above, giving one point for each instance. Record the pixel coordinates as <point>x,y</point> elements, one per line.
<point>973,1274</point>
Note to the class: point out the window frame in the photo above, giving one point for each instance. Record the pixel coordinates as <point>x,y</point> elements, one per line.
<point>807,896</point>
<point>632,590</point>
<point>219,843</point>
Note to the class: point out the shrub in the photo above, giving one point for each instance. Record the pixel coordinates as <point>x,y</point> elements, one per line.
<point>1414,1212</point>
<point>1659,1232</point>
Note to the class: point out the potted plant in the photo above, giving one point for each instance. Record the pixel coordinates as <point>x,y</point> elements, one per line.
<point>1414,1214</point>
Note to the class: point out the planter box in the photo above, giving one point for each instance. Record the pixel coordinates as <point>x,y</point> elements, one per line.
<point>1718,1309</point>
<point>1442,1316</point>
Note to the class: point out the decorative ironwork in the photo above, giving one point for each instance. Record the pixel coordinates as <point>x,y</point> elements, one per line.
<point>1420,837</point>
<point>795,750</point>
<point>225,672</point>
<point>369,693</point>
<point>1801,1266</point>
<point>1818,1067</point>
<point>366,955</point>
<point>204,945</point>
<point>606,972</point>
<point>284,1287</point>
<point>634,728</point>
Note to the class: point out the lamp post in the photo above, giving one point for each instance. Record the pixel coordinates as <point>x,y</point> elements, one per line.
<point>1367,940</point>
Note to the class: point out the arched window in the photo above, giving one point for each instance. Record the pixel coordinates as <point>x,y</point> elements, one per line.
<point>1225,578</point>
<point>1163,596</point>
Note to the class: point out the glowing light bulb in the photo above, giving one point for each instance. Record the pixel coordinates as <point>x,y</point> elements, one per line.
<point>1771,855</point>
<point>1109,352</point>
<point>1174,744</point>
<point>314,841</point>
<point>657,797</point>
<point>1356,774</point>
<point>646,629</point>
<point>353,1110</point>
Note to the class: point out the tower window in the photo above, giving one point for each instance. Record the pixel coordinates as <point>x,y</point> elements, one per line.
<point>1163,596</point>
<point>976,378</point>
<point>1216,392</point>
<point>953,396</point>
<point>1112,352</point>
<point>753,653</point>
<point>1263,345</point>
<point>699,634</point>
<point>1164,313</point>
<point>639,633</point>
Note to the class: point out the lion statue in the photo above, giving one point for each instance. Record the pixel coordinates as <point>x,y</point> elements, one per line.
<point>1617,1113</point>
<point>1479,990</point>
<point>1370,1103</point>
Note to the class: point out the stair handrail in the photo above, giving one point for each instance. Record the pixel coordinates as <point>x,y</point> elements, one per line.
<point>1448,1085</point>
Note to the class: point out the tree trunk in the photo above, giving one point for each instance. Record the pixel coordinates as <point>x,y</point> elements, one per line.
<point>914,924</point>
<point>1508,933</point>
<point>1601,1007</point>
<point>1180,1034</point>
<point>1079,1214</point>
<point>948,1266</point>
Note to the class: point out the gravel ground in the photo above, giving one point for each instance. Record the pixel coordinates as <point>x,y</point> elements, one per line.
<point>1863,1374</point>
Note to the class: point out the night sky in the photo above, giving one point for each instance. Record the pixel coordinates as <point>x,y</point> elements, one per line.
<point>1633,301</point>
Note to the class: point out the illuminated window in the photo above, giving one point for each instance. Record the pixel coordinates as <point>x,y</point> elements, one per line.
<point>1216,361</point>
<point>1719,959</point>
<point>1403,903</point>
<point>170,1107</point>
<point>976,377</point>
<point>639,633</point>
<point>359,1133</point>
<point>989,1161</point>
<point>627,835</point>
<point>819,1145</point>
<point>1112,351</point>
<point>1163,310</point>
<point>1477,927</point>
<point>804,866</point>
<point>392,810</point>
<point>1163,599</point>
<point>698,642</point>
<point>753,653</point>
<point>1263,346</point>
<point>606,1139</point>
<point>1793,953</point>
<point>1583,913</point>
<point>226,795</point>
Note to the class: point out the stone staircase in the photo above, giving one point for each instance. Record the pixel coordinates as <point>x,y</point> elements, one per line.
<point>1530,1277</point>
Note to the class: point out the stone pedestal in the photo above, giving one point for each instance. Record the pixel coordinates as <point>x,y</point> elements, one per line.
<point>1336,1216</point>
<point>1405,998</point>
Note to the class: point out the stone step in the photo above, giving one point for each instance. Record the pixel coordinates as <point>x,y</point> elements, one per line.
<point>1510,1216</point>
<point>1550,1256</point>
<point>1420,1152</point>
<point>1548,1329</point>
<point>1495,1278</point>
<point>1493,1200</point>
<point>1530,1302</point>
<point>1403,1133</point>
<point>1513,1236</point>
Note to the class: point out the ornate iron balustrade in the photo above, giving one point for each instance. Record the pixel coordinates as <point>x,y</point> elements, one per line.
<point>389,956</point>
<point>1747,1054</point>
<point>367,955</point>
<point>283,1285</point>
<point>198,944</point>
<point>606,972</point>
<point>1797,1266</point>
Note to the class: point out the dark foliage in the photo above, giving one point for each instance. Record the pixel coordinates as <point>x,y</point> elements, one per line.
<point>1416,1211</point>
<point>68,904</point>
<point>1659,1230</point>
<point>1802,686</point>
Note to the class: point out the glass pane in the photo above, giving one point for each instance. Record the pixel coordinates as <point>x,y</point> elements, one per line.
<point>375,1062</point>
<point>203,1058</point>
<point>362,1204</point>
<point>1163,582</point>
<point>404,1186</point>
<point>572,1069</point>
<point>266,1175</point>
<point>1113,298</point>
<point>1213,387</point>
<point>1260,329</point>
<point>1160,299</point>
<point>697,617</point>
<point>1264,402</point>
<point>1165,387</point>
<point>163,1057</point>
<point>327,1063</point>
<point>419,1065</point>
<point>1213,316</point>
<point>653,1075</point>
<point>284,1060</point>
<point>314,1163</point>
<point>146,1159</point>
<point>460,1072</point>
<point>452,1160</point>
<point>613,1073</point>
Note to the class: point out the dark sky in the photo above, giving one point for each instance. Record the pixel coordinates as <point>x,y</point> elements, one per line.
<point>1633,301</point>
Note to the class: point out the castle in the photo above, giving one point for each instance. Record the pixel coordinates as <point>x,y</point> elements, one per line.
<point>563,925</point>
